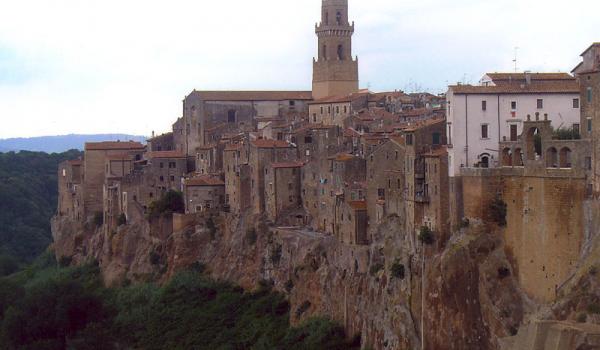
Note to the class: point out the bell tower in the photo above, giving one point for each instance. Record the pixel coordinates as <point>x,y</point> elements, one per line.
<point>335,71</point>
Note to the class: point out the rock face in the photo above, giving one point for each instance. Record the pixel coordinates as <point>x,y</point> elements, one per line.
<point>459,294</point>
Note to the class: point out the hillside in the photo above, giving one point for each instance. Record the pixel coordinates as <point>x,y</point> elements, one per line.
<point>63,143</point>
<point>28,198</point>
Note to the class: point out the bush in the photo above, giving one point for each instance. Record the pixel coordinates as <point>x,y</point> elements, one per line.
<point>169,203</point>
<point>375,268</point>
<point>426,235</point>
<point>397,270</point>
<point>98,219</point>
<point>498,211</point>
<point>122,220</point>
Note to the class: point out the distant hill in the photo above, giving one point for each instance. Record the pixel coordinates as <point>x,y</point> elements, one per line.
<point>57,144</point>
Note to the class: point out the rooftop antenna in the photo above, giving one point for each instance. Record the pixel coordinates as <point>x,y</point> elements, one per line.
<point>515,60</point>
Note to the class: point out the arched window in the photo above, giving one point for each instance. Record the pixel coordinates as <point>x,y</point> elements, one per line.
<point>338,18</point>
<point>551,158</point>
<point>484,160</point>
<point>565,158</point>
<point>534,144</point>
<point>340,52</point>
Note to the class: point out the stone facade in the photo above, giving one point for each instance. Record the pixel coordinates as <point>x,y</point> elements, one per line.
<point>283,192</point>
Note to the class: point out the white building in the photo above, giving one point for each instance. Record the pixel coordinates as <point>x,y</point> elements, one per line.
<point>479,117</point>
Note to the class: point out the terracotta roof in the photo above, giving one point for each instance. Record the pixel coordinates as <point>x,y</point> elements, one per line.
<point>166,154</point>
<point>252,95</point>
<point>262,143</point>
<point>283,165</point>
<point>205,180</point>
<point>550,87</point>
<point>113,145</point>
<point>342,157</point>
<point>358,205</point>
<point>498,77</point>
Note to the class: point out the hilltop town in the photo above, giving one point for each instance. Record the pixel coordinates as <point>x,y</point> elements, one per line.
<point>384,186</point>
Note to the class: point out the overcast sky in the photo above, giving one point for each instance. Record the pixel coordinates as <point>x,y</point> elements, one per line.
<point>111,66</point>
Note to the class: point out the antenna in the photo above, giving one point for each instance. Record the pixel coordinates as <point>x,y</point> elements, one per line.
<point>515,60</point>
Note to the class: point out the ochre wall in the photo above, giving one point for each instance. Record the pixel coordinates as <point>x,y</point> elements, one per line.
<point>544,231</point>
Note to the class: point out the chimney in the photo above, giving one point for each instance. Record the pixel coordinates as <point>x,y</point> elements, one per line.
<point>527,77</point>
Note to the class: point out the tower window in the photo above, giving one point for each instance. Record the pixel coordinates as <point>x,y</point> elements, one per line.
<point>340,52</point>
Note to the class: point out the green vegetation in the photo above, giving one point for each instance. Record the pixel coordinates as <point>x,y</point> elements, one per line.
<point>397,269</point>
<point>169,203</point>
<point>49,307</point>
<point>426,235</point>
<point>28,199</point>
<point>566,134</point>
<point>498,211</point>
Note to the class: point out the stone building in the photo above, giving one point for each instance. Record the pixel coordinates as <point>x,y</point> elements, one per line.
<point>262,154</point>
<point>480,117</point>
<point>70,191</point>
<point>208,115</point>
<point>335,71</point>
<point>283,192</point>
<point>95,157</point>
<point>588,74</point>
<point>352,222</point>
<point>203,193</point>
<point>386,181</point>
<point>167,168</point>
<point>237,177</point>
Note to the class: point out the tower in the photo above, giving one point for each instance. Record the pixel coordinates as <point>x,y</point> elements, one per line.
<point>335,72</point>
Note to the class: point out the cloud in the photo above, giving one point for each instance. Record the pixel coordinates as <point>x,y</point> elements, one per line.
<point>124,66</point>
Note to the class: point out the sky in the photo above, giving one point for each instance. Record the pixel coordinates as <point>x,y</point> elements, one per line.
<point>124,66</point>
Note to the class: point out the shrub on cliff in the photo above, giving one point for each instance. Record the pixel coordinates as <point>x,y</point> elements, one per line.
<point>498,211</point>
<point>426,235</point>
<point>170,202</point>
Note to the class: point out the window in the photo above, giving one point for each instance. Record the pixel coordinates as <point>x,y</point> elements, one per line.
<point>575,103</point>
<point>513,105</point>
<point>540,103</point>
<point>484,131</point>
<point>483,105</point>
<point>589,95</point>
<point>513,132</point>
